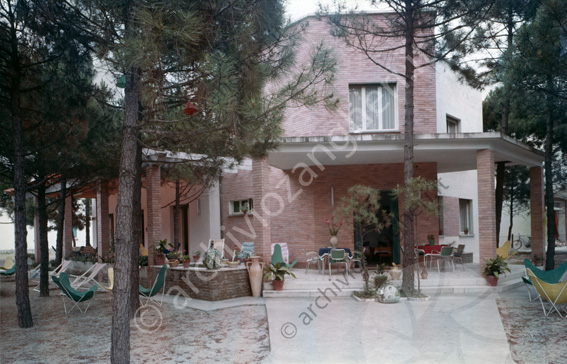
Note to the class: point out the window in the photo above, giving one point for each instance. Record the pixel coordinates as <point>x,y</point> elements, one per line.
<point>465,209</point>
<point>239,207</point>
<point>452,125</point>
<point>373,107</point>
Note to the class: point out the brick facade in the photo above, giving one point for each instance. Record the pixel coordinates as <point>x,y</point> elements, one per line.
<point>486,206</point>
<point>153,185</point>
<point>353,67</point>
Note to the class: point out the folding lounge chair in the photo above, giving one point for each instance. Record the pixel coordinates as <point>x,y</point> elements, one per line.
<point>247,248</point>
<point>7,273</point>
<point>280,254</point>
<point>77,297</point>
<point>554,294</point>
<point>550,276</point>
<point>159,285</point>
<point>8,264</point>
<point>108,288</point>
<point>88,276</point>
<point>504,250</point>
<point>34,273</point>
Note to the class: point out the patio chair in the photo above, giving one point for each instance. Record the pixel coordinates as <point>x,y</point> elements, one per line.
<point>312,257</point>
<point>108,288</point>
<point>8,263</point>
<point>504,250</point>
<point>159,285</point>
<point>458,254</point>
<point>89,276</point>
<point>356,257</point>
<point>446,254</point>
<point>247,248</point>
<point>35,273</point>
<point>338,256</point>
<point>280,254</point>
<point>554,293</point>
<point>77,297</point>
<point>218,244</point>
<point>550,276</point>
<point>8,272</point>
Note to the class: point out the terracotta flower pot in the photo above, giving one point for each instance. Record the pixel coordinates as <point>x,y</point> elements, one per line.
<point>492,280</point>
<point>173,263</point>
<point>186,264</point>
<point>278,285</point>
<point>159,259</point>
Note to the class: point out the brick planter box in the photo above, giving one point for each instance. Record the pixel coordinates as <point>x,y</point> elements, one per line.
<point>204,284</point>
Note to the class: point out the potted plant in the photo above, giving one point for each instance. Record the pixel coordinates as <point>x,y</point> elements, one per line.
<point>466,231</point>
<point>173,259</point>
<point>160,249</point>
<point>334,227</point>
<point>277,274</point>
<point>494,268</point>
<point>431,239</point>
<point>185,260</point>
<point>196,256</point>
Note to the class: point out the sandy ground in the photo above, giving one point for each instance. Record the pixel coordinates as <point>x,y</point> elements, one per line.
<point>533,338</point>
<point>162,335</point>
<point>204,334</point>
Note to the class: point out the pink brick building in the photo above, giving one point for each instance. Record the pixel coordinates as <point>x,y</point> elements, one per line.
<point>323,153</point>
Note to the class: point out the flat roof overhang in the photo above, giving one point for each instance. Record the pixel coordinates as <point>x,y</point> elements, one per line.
<point>451,152</point>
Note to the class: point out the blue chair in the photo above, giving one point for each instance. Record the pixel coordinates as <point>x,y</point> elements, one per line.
<point>77,297</point>
<point>246,250</point>
<point>159,285</point>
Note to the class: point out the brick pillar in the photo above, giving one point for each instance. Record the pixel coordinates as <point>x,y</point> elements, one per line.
<point>537,211</point>
<point>36,239</point>
<point>262,208</point>
<point>486,206</point>
<point>153,186</point>
<point>102,219</point>
<point>68,228</point>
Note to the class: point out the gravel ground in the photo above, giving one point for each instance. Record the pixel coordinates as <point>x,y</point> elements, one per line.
<point>161,335</point>
<point>533,338</point>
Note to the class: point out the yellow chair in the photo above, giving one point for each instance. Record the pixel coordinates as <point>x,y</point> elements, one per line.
<point>504,251</point>
<point>555,294</point>
<point>110,281</point>
<point>143,251</point>
<point>8,264</point>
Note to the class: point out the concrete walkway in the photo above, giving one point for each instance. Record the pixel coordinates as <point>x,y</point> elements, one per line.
<point>441,330</point>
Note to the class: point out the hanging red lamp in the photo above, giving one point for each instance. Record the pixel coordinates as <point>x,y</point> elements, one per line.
<point>190,109</point>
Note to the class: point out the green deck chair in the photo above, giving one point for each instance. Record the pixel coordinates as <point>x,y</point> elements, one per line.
<point>77,297</point>
<point>8,273</point>
<point>277,257</point>
<point>550,276</point>
<point>554,293</point>
<point>159,285</point>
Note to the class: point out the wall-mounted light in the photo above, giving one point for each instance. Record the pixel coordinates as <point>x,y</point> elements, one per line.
<point>332,196</point>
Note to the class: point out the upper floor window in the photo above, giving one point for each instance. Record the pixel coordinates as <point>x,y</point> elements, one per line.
<point>452,125</point>
<point>240,207</point>
<point>373,107</point>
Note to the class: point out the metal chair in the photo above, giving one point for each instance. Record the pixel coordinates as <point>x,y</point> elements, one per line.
<point>313,257</point>
<point>338,256</point>
<point>554,293</point>
<point>458,254</point>
<point>446,254</point>
<point>356,257</point>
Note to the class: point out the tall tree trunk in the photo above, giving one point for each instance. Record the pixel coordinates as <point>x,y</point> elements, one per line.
<point>43,243</point>
<point>136,234</point>
<point>125,214</point>
<point>501,166</point>
<point>176,211</point>
<point>60,223</point>
<point>409,257</point>
<point>549,205</point>
<point>88,222</point>
<point>22,291</point>
<point>511,213</point>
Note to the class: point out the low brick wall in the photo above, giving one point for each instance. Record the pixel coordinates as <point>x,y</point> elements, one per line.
<point>204,284</point>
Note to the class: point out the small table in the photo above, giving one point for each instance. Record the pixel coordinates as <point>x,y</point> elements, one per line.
<point>324,253</point>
